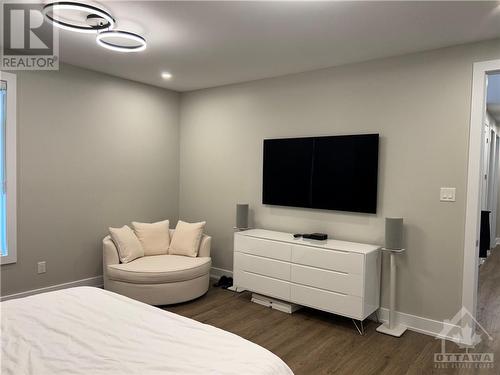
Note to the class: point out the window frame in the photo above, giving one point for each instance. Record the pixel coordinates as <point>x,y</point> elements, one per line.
<point>11,168</point>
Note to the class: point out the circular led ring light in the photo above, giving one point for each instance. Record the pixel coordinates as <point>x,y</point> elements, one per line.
<point>140,46</point>
<point>70,5</point>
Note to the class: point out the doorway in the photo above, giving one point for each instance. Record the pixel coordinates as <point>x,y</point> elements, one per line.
<point>482,181</point>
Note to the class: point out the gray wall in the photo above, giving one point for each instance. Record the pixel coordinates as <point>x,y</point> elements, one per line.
<point>420,105</point>
<point>93,151</point>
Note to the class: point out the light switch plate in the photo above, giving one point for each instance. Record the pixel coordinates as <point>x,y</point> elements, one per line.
<point>447,194</point>
<point>41,267</point>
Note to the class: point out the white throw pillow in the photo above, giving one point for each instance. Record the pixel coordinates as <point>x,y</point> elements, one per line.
<point>154,238</point>
<point>128,245</point>
<point>186,239</point>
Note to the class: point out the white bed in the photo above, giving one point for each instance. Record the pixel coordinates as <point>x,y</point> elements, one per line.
<point>92,331</point>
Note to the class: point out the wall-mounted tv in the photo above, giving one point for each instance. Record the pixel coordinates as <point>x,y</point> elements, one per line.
<point>332,173</point>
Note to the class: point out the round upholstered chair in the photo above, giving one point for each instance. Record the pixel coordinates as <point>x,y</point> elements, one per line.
<point>158,279</point>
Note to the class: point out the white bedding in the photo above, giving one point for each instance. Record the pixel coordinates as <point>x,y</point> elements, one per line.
<point>91,331</point>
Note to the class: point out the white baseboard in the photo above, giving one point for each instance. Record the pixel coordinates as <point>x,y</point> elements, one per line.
<point>216,273</point>
<point>497,241</point>
<point>92,281</point>
<point>419,324</point>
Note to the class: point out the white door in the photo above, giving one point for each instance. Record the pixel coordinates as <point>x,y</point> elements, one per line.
<point>485,169</point>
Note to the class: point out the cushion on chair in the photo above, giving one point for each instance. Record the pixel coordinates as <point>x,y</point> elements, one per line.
<point>155,237</point>
<point>160,269</point>
<point>128,245</point>
<point>186,238</point>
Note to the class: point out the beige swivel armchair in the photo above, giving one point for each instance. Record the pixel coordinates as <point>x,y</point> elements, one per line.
<point>158,279</point>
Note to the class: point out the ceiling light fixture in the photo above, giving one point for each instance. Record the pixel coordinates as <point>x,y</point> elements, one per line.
<point>120,34</point>
<point>166,75</point>
<point>97,19</point>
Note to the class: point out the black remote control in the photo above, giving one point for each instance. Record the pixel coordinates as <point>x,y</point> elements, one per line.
<point>312,236</point>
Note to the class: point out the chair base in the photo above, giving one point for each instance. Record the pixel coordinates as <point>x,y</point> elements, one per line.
<point>161,294</point>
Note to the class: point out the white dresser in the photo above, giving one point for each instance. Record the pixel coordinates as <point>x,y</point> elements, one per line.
<point>335,276</point>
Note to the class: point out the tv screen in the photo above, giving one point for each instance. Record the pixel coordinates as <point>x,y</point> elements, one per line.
<point>332,173</point>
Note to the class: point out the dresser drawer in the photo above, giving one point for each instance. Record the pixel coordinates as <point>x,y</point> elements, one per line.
<point>328,259</point>
<point>265,248</point>
<point>346,283</point>
<point>262,266</point>
<point>336,303</point>
<point>262,284</point>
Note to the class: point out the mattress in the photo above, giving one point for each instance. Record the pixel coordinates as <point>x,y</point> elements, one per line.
<point>88,330</point>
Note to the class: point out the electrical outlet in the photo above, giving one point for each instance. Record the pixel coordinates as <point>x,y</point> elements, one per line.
<point>42,267</point>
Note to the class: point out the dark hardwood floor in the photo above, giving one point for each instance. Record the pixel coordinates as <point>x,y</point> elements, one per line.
<point>313,342</point>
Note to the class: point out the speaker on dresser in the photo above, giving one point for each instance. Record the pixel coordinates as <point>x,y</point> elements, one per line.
<point>241,216</point>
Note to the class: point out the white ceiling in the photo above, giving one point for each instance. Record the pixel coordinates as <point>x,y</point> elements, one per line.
<point>206,44</point>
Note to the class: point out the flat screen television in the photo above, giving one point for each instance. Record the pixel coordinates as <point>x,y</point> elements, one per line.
<point>332,173</point>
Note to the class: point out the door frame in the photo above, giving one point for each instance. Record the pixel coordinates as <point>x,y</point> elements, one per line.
<point>494,201</point>
<point>474,177</point>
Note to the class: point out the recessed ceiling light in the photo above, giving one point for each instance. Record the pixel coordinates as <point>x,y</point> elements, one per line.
<point>166,75</point>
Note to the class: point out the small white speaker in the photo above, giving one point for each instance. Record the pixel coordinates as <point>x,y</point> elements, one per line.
<point>394,233</point>
<point>242,216</point>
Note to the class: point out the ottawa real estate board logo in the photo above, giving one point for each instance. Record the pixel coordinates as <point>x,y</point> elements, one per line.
<point>28,41</point>
<point>467,334</point>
